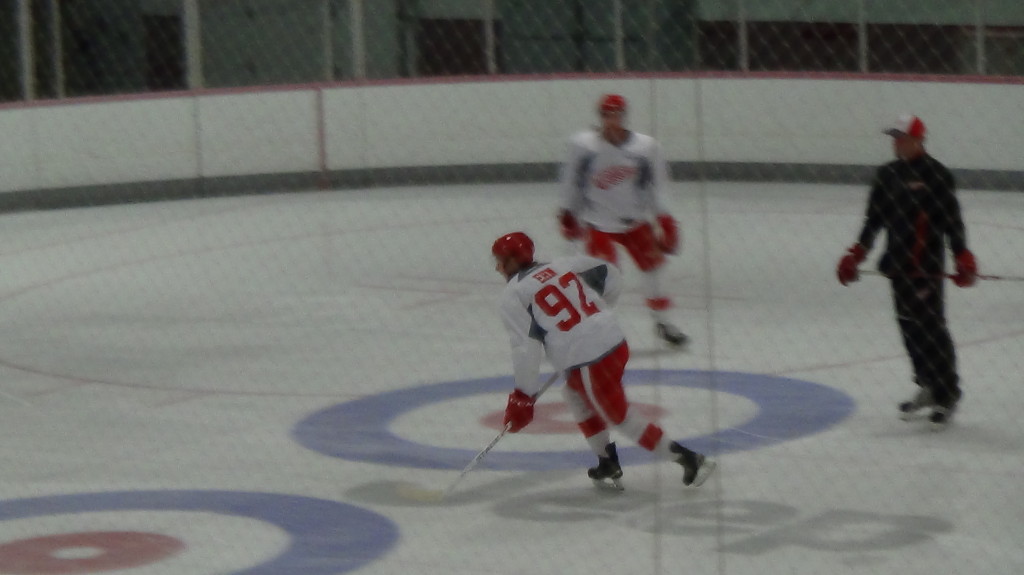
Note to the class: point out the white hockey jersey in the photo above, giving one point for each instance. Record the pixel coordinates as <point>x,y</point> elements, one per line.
<point>613,188</point>
<point>563,309</point>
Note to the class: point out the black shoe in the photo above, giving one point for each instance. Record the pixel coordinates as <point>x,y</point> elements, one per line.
<point>696,467</point>
<point>941,417</point>
<point>922,399</point>
<point>608,471</point>
<point>671,334</point>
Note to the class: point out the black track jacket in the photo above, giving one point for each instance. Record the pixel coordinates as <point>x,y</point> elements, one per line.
<point>915,203</point>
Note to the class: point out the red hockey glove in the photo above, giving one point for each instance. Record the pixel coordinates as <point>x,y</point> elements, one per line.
<point>519,411</point>
<point>669,241</point>
<point>846,271</point>
<point>570,226</point>
<point>966,269</point>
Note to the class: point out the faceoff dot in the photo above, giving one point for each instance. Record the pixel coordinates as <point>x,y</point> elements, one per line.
<point>87,552</point>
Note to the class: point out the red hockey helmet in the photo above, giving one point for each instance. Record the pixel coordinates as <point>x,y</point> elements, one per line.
<point>612,103</point>
<point>515,245</point>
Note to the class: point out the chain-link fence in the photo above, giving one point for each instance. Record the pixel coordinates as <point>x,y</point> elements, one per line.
<point>197,316</point>
<point>63,48</point>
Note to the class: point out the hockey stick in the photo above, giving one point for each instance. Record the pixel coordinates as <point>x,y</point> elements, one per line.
<point>950,276</point>
<point>434,495</point>
<point>1001,278</point>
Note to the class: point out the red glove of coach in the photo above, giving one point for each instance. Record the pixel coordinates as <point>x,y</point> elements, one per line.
<point>571,229</point>
<point>519,411</point>
<point>846,271</point>
<point>966,269</point>
<point>669,242</point>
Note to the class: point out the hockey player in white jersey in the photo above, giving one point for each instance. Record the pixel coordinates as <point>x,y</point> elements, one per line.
<point>611,186</point>
<point>564,309</point>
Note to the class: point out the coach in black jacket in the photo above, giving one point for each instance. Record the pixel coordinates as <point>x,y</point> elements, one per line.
<point>914,200</point>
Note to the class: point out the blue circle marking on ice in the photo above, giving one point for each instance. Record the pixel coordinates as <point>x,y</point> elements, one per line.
<point>357,536</point>
<point>359,430</point>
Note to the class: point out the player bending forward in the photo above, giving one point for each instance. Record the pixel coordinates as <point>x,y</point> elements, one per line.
<point>564,309</point>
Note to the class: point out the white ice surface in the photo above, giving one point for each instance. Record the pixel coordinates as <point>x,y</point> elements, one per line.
<point>176,345</point>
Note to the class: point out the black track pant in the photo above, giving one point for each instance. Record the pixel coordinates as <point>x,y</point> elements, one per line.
<point>920,311</point>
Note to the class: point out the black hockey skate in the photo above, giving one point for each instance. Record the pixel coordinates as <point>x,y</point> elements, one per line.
<point>671,334</point>
<point>941,417</point>
<point>608,473</point>
<point>922,399</point>
<point>696,467</point>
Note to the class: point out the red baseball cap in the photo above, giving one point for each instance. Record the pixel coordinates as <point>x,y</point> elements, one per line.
<point>906,125</point>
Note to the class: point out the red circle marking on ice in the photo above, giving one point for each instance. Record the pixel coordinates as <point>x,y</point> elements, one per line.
<point>87,552</point>
<point>555,418</point>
